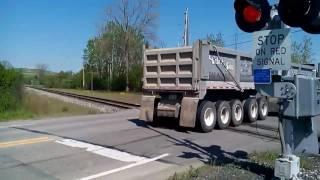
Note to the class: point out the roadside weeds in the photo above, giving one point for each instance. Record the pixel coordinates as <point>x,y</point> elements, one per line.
<point>35,106</point>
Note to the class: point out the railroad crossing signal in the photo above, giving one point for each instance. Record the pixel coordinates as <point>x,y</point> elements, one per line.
<point>254,15</point>
<point>301,13</point>
<point>297,130</point>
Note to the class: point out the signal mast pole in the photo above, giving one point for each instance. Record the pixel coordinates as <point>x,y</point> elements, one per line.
<point>186,28</point>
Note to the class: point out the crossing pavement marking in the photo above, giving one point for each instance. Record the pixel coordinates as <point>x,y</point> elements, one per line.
<point>109,153</point>
<point>24,142</point>
<point>102,151</point>
<point>139,163</point>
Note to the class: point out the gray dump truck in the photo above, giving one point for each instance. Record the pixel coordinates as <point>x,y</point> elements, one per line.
<point>201,85</point>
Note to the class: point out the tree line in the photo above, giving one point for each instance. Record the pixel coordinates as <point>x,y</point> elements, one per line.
<point>113,59</point>
<point>105,68</point>
<point>11,87</point>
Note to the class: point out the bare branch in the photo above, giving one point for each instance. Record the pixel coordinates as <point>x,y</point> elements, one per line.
<point>140,15</point>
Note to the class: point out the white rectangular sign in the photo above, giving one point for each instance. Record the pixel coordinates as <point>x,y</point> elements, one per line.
<point>272,49</point>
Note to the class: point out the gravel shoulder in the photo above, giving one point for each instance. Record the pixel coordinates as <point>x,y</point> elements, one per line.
<point>254,166</point>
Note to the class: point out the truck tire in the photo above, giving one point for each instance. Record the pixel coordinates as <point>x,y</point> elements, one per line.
<point>223,114</point>
<point>263,108</point>
<point>236,112</point>
<point>251,109</point>
<point>207,116</point>
<point>155,121</point>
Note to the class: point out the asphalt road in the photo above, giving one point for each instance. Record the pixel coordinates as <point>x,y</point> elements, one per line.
<point>114,146</point>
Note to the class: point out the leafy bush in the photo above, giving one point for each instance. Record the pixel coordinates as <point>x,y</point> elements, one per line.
<point>63,79</point>
<point>70,80</point>
<point>135,77</point>
<point>118,83</point>
<point>10,88</point>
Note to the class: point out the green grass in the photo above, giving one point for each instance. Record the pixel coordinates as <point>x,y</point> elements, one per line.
<point>268,159</point>
<point>117,96</point>
<point>17,114</point>
<point>36,106</point>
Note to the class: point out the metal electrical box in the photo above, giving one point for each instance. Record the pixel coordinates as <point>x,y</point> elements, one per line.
<point>307,100</point>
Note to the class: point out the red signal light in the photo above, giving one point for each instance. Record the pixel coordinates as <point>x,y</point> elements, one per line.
<point>251,14</point>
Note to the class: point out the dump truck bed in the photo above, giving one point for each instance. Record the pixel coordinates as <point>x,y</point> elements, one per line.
<point>196,67</point>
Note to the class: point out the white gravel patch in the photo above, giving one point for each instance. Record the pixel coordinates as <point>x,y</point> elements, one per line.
<point>99,107</point>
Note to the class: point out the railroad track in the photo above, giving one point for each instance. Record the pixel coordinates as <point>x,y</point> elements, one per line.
<point>256,130</point>
<point>124,105</point>
<point>261,126</point>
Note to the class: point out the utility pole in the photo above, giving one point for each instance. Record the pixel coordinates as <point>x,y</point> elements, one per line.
<point>112,59</point>
<point>127,73</point>
<point>127,60</point>
<point>91,80</point>
<point>83,77</point>
<point>186,29</point>
<point>236,41</point>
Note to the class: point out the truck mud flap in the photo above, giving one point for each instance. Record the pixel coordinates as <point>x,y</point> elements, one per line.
<point>188,112</point>
<point>147,108</point>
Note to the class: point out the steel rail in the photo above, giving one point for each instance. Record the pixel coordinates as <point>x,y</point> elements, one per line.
<point>255,133</point>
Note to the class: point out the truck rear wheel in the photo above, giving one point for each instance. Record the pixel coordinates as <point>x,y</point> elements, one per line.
<point>251,109</point>
<point>263,108</point>
<point>207,116</point>
<point>236,112</point>
<point>155,121</point>
<point>223,114</point>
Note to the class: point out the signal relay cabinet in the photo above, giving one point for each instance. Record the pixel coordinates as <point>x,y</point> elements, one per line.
<point>200,85</point>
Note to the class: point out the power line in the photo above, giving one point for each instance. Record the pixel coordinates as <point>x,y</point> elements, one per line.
<point>243,42</point>
<point>231,36</point>
<point>236,41</point>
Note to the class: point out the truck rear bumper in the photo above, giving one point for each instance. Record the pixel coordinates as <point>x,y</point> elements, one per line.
<point>147,108</point>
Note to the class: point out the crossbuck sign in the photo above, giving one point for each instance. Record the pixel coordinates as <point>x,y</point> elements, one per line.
<point>272,49</point>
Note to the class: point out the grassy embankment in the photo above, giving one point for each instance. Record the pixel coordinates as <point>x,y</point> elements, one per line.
<point>255,166</point>
<point>117,96</point>
<point>35,106</point>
